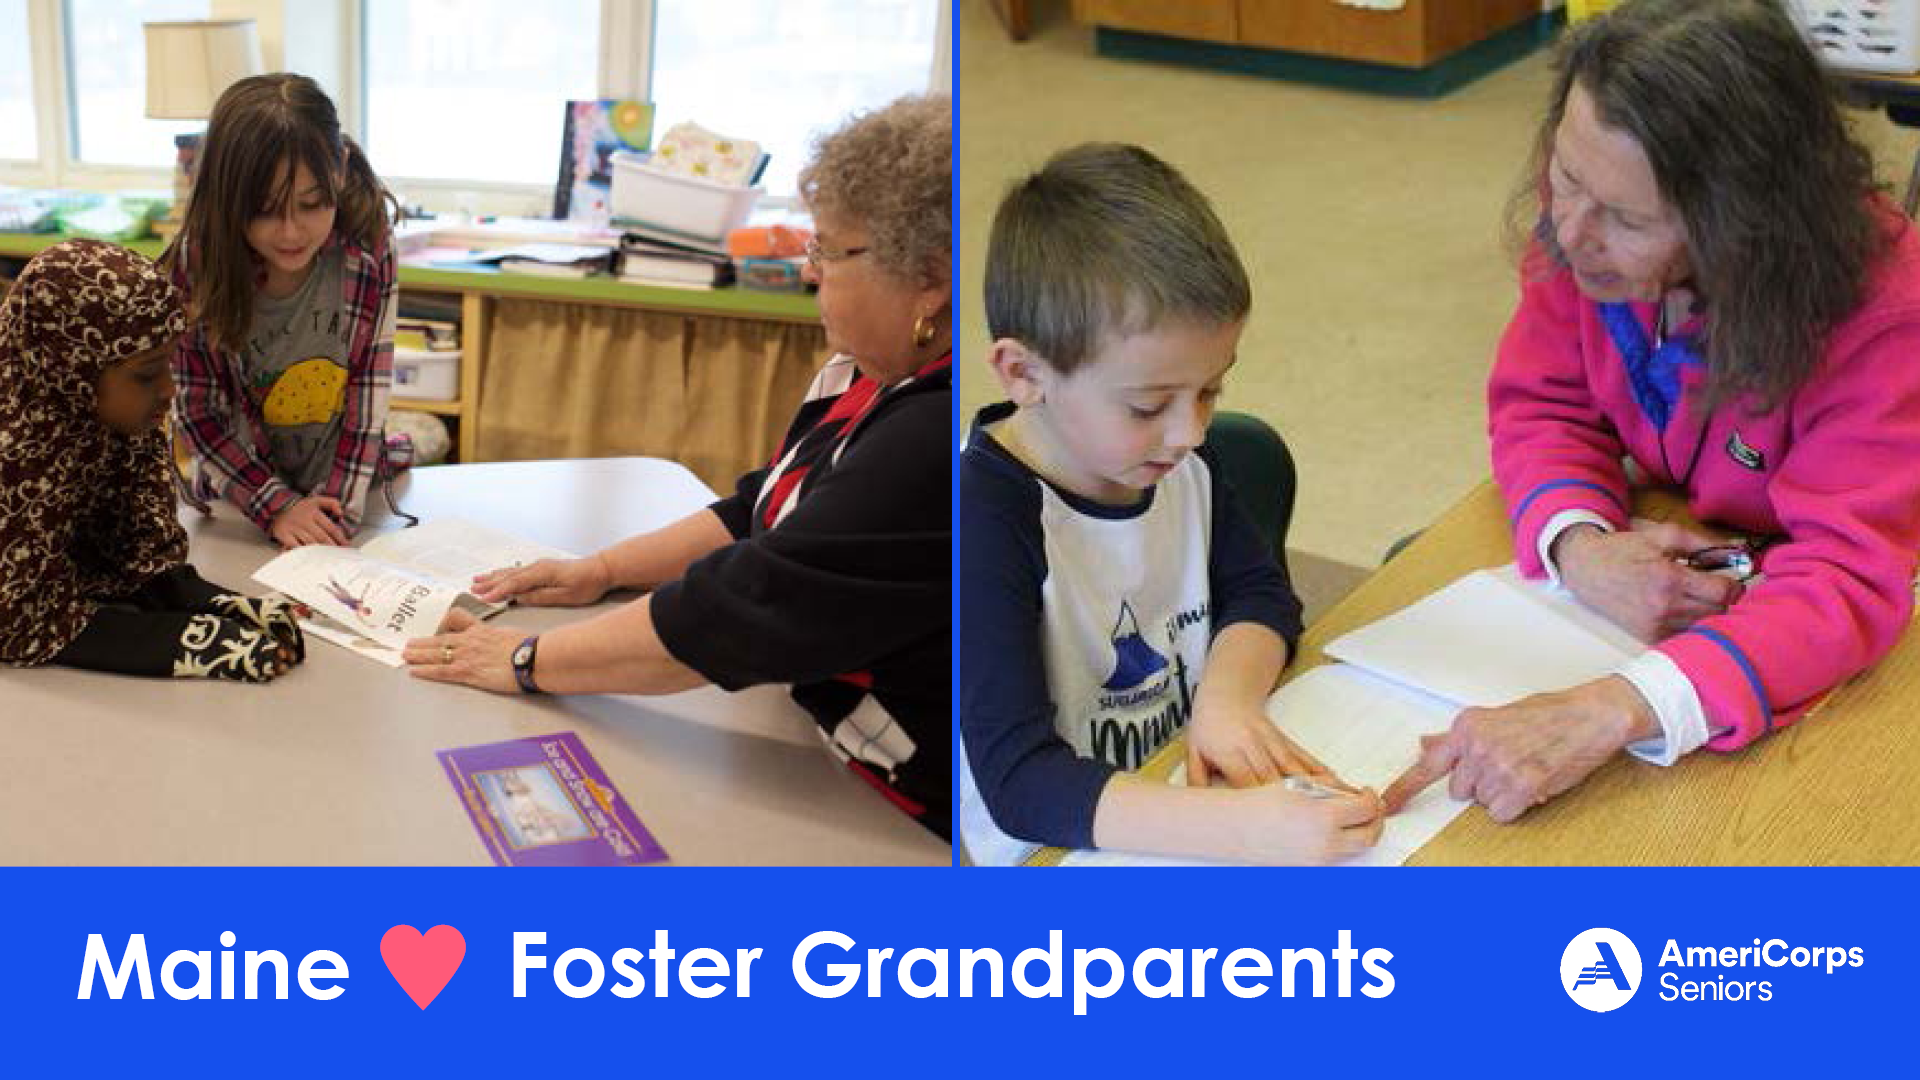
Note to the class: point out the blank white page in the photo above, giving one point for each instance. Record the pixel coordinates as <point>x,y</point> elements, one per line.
<point>455,550</point>
<point>1488,639</point>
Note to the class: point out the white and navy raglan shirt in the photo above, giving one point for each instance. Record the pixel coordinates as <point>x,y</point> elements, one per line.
<point>1084,630</point>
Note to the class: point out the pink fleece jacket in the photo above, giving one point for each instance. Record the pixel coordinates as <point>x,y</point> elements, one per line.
<point>1835,471</point>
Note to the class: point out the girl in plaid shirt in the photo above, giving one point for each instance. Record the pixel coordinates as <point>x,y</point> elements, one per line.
<point>286,259</point>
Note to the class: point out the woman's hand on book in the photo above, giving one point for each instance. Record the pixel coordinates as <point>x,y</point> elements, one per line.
<point>1516,757</point>
<point>469,652</point>
<point>547,583</point>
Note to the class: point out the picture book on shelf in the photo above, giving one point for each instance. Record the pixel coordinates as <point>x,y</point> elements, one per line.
<point>593,132</point>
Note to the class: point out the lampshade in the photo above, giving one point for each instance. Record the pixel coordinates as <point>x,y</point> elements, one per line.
<point>189,64</point>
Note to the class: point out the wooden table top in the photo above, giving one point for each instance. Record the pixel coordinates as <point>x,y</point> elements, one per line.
<point>1841,787</point>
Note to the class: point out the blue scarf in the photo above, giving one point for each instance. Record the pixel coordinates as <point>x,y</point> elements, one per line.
<point>1653,373</point>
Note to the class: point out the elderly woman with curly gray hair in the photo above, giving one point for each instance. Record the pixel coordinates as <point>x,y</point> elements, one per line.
<point>829,569</point>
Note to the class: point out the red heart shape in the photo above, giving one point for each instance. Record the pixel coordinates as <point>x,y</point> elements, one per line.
<point>422,963</point>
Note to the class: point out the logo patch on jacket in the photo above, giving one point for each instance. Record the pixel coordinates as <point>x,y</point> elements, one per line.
<point>1748,457</point>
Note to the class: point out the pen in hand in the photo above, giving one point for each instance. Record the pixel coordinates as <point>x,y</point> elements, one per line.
<point>1312,788</point>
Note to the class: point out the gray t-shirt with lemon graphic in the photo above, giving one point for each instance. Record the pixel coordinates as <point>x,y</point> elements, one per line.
<point>295,365</point>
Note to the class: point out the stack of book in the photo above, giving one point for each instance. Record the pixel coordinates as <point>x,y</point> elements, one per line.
<point>646,260</point>
<point>425,334</point>
<point>553,260</point>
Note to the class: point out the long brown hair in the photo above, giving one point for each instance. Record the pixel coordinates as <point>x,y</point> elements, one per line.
<point>1742,128</point>
<point>259,123</point>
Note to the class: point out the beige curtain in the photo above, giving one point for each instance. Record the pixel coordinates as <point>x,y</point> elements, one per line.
<point>577,380</point>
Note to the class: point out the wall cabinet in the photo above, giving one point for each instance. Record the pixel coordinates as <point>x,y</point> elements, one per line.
<point>1415,35</point>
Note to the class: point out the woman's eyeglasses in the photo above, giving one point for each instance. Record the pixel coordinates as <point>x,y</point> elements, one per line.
<point>820,256</point>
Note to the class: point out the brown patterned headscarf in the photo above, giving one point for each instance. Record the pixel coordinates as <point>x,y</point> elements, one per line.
<point>86,513</point>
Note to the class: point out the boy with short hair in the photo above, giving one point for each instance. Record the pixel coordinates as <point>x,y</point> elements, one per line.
<point>1114,592</point>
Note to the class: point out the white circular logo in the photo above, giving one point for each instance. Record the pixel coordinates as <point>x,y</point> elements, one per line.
<point>1600,969</point>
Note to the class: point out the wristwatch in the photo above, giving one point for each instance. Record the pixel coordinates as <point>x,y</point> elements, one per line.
<point>523,664</point>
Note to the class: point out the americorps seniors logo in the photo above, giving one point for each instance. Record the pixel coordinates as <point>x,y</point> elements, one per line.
<point>1600,969</point>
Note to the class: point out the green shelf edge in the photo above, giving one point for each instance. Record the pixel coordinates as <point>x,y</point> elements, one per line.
<point>734,302</point>
<point>729,301</point>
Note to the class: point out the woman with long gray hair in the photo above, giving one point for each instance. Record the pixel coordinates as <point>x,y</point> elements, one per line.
<point>1714,299</point>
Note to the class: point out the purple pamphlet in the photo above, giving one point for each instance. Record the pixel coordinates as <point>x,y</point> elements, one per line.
<point>545,802</point>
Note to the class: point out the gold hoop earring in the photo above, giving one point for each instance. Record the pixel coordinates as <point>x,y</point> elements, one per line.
<point>924,331</point>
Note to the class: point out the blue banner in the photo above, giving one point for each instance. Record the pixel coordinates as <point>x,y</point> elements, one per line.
<point>944,972</point>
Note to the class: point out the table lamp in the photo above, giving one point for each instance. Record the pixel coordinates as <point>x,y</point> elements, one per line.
<point>189,65</point>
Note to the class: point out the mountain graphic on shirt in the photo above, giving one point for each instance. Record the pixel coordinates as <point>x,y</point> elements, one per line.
<point>1134,661</point>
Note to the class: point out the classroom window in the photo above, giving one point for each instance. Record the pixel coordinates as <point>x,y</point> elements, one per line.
<point>474,89</point>
<point>783,71</point>
<point>108,79</point>
<point>18,138</point>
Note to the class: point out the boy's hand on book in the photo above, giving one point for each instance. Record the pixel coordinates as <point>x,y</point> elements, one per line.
<point>467,651</point>
<point>547,583</point>
<point>1241,746</point>
<point>1288,827</point>
<point>315,519</point>
<point>1633,579</point>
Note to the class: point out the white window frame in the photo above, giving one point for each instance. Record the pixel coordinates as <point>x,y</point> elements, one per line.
<point>46,52</point>
<point>339,64</point>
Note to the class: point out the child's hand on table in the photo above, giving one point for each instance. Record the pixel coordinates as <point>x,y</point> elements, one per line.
<point>277,615</point>
<point>313,520</point>
<point>216,647</point>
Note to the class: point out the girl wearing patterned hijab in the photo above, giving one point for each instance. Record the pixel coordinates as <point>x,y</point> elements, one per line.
<point>93,570</point>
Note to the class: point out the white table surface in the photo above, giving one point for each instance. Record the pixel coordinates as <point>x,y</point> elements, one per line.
<point>334,764</point>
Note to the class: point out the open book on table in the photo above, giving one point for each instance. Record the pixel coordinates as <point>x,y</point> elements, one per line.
<point>1487,639</point>
<point>374,599</point>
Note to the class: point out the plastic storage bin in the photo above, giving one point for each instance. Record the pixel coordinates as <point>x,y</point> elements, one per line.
<point>677,207</point>
<point>1865,35</point>
<point>425,375</point>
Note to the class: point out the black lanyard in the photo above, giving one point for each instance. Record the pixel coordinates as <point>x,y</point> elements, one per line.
<point>1684,480</point>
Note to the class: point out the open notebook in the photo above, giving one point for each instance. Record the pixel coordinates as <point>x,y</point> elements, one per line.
<point>1487,639</point>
